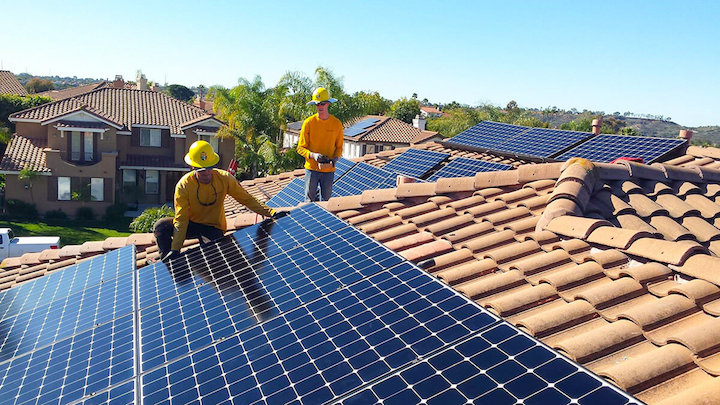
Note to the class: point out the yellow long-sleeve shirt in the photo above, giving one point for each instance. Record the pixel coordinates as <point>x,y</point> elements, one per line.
<point>322,136</point>
<point>189,193</point>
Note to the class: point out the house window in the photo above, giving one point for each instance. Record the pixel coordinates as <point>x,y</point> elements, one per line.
<point>63,188</point>
<point>150,137</point>
<point>152,181</point>
<point>211,139</point>
<point>82,146</point>
<point>96,189</point>
<point>129,178</point>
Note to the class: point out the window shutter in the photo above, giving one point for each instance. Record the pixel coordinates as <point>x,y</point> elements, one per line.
<point>52,189</point>
<point>96,151</point>
<point>135,137</point>
<point>164,138</point>
<point>108,186</point>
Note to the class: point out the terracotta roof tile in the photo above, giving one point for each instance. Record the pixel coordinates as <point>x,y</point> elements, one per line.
<point>647,272</point>
<point>670,229</point>
<point>495,179</point>
<point>597,342</point>
<point>528,173</point>
<point>575,227</point>
<point>664,251</point>
<point>9,84</point>
<point>675,206</point>
<point>697,394</point>
<point>24,153</point>
<point>644,206</point>
<point>562,317</point>
<point>706,207</point>
<point>703,267</point>
<point>466,272</point>
<point>521,300</point>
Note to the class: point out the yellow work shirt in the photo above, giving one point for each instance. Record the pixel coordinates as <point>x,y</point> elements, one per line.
<point>190,195</point>
<point>321,136</point>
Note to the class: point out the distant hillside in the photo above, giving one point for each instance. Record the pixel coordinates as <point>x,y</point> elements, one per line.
<point>643,126</point>
<point>59,82</point>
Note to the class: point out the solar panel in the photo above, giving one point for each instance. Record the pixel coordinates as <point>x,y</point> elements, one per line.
<point>366,123</point>
<point>353,131</point>
<point>606,148</point>
<point>499,365</point>
<point>342,166</point>
<point>415,163</point>
<point>323,350</point>
<point>542,142</point>
<point>360,127</point>
<point>360,178</point>
<point>464,167</point>
<point>290,196</point>
<point>487,134</point>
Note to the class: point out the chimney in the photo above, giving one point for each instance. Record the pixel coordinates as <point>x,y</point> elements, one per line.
<point>596,126</point>
<point>200,102</point>
<point>153,87</point>
<point>141,82</point>
<point>686,134</point>
<point>419,122</point>
<point>118,83</point>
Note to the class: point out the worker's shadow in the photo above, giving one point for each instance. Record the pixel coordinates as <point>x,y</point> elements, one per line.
<point>236,274</point>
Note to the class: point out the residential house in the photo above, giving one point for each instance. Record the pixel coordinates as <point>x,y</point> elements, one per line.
<point>120,144</point>
<point>9,84</point>
<point>372,134</point>
<point>430,111</point>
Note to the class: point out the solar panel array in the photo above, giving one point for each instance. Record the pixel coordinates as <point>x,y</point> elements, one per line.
<point>363,177</point>
<point>304,309</point>
<point>542,142</point>
<point>606,148</point>
<point>415,162</point>
<point>294,193</point>
<point>487,134</point>
<point>360,127</point>
<point>463,167</point>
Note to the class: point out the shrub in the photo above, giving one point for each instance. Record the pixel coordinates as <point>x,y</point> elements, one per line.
<point>146,220</point>
<point>21,209</point>
<point>56,216</point>
<point>115,212</point>
<point>85,214</point>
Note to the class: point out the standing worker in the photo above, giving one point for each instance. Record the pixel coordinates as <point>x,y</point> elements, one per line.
<point>199,203</point>
<point>321,142</point>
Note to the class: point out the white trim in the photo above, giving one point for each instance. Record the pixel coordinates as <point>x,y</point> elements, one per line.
<point>12,172</point>
<point>162,169</point>
<point>123,132</point>
<point>80,129</point>
<point>150,126</point>
<point>205,133</point>
<point>220,123</point>
<point>178,136</point>
<point>66,115</point>
<point>11,119</point>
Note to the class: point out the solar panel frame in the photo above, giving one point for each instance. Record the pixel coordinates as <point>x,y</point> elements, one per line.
<point>290,196</point>
<point>606,148</point>
<point>415,162</point>
<point>464,167</point>
<point>487,135</point>
<point>542,142</point>
<point>341,167</point>
<point>360,178</point>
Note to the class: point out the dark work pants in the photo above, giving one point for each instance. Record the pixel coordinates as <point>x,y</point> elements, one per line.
<point>313,179</point>
<point>163,230</point>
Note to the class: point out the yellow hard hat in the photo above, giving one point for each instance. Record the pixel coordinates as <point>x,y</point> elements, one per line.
<point>201,154</point>
<point>320,95</point>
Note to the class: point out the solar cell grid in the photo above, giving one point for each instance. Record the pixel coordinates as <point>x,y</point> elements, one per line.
<point>464,167</point>
<point>606,148</point>
<point>59,284</point>
<point>243,287</point>
<point>360,178</point>
<point>290,196</point>
<point>487,134</point>
<point>328,347</point>
<point>498,366</point>
<point>342,166</point>
<point>542,142</point>
<point>415,163</point>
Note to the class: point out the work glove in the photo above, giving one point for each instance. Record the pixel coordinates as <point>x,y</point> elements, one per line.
<point>278,214</point>
<point>320,158</point>
<point>173,254</point>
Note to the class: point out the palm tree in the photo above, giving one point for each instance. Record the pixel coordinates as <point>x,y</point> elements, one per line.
<point>29,175</point>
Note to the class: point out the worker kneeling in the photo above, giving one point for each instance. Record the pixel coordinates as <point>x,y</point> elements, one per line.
<point>199,203</point>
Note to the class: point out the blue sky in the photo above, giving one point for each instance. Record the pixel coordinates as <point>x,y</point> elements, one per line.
<point>651,57</point>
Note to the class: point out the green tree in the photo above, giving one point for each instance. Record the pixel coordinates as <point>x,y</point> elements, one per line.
<point>37,85</point>
<point>145,221</point>
<point>29,175</point>
<point>10,104</point>
<point>405,109</point>
<point>180,92</point>
<point>372,103</point>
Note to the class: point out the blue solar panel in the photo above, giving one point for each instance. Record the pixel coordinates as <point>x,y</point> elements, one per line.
<point>366,123</point>
<point>290,196</point>
<point>362,177</point>
<point>333,345</point>
<point>342,166</point>
<point>464,167</point>
<point>415,163</point>
<point>487,134</point>
<point>542,142</point>
<point>360,127</point>
<point>353,131</point>
<point>605,148</point>
<point>497,366</point>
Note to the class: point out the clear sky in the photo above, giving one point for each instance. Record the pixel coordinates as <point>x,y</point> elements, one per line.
<point>649,57</point>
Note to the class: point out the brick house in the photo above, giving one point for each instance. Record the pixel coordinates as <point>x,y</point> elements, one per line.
<point>120,144</point>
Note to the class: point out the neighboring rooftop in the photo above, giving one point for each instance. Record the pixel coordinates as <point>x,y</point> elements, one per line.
<point>121,107</point>
<point>9,84</point>
<point>73,91</point>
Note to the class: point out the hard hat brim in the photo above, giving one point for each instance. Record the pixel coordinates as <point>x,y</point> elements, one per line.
<point>214,159</point>
<point>330,100</point>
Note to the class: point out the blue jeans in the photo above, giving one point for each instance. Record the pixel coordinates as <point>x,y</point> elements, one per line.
<point>312,179</point>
